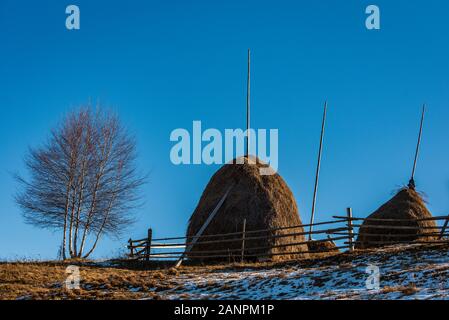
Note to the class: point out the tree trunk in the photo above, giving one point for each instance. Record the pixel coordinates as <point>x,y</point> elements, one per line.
<point>72,254</point>
<point>64,257</point>
<point>93,246</point>
<point>66,210</point>
<point>105,157</point>
<point>78,210</point>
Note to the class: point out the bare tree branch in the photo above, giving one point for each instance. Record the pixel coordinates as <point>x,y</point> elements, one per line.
<point>82,181</point>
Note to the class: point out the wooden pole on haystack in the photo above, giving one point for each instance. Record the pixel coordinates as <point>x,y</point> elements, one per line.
<point>317,171</point>
<point>411,183</point>
<point>203,227</point>
<point>248,93</point>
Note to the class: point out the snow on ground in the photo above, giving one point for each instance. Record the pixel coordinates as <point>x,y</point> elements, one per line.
<point>408,273</point>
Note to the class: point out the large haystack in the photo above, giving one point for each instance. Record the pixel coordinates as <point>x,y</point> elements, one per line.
<point>408,205</point>
<point>265,201</point>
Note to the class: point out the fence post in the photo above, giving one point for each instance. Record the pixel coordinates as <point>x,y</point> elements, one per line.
<point>148,248</point>
<point>350,235</point>
<point>131,248</point>
<point>443,229</point>
<point>243,239</point>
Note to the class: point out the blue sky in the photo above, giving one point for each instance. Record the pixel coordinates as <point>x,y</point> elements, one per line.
<point>163,64</point>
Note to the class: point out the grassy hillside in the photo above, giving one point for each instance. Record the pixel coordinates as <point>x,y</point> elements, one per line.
<point>406,272</point>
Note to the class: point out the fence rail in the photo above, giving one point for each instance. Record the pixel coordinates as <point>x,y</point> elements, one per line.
<point>341,231</point>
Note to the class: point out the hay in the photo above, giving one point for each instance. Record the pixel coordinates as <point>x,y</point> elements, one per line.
<point>265,201</point>
<point>322,248</point>
<point>406,204</point>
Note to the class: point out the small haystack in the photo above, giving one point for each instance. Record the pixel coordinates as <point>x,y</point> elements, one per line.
<point>265,201</point>
<point>406,205</point>
<point>322,248</point>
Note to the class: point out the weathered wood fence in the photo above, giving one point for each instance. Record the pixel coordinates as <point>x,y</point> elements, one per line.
<point>342,231</point>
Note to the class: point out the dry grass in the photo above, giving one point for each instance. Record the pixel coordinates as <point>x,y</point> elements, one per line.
<point>405,290</point>
<point>47,281</point>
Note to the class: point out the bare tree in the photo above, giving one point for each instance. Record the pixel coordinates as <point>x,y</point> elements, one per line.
<point>83,181</point>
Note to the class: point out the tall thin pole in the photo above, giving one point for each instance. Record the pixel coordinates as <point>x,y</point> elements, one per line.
<point>411,183</point>
<point>317,171</point>
<point>243,240</point>
<point>248,92</point>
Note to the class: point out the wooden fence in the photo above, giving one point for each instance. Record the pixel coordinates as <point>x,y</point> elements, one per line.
<point>342,231</point>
